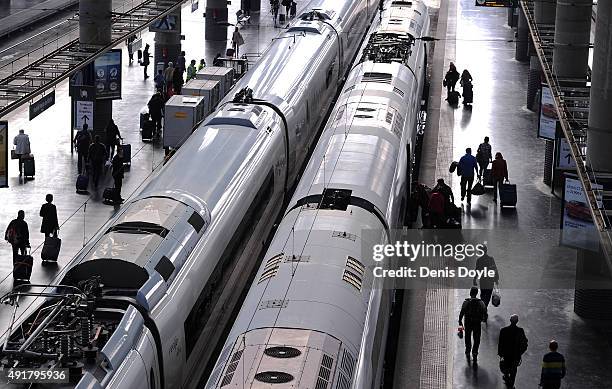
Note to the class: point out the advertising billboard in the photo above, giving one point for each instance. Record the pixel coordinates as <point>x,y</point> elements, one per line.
<point>578,228</point>
<point>547,125</point>
<point>165,24</point>
<point>107,70</point>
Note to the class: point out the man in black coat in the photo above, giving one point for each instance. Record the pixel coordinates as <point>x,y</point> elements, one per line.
<point>82,141</point>
<point>512,344</point>
<point>156,110</point>
<point>18,235</point>
<point>48,212</point>
<point>97,156</point>
<point>486,283</point>
<point>118,173</point>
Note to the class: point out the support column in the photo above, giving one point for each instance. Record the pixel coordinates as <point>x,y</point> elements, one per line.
<point>168,44</point>
<point>572,36</point>
<point>216,20</point>
<point>522,39</point>
<point>534,78</point>
<point>95,29</point>
<point>595,301</point>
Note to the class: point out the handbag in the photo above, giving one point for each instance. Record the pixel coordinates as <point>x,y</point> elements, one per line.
<point>495,298</point>
<point>478,189</point>
<point>14,155</point>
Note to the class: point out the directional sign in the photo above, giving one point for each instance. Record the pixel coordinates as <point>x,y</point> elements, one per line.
<point>41,105</point>
<point>565,160</point>
<point>107,69</point>
<point>84,114</point>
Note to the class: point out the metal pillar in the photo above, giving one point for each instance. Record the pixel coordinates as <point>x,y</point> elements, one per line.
<point>95,29</point>
<point>593,297</point>
<point>216,20</point>
<point>572,35</point>
<point>545,11</point>
<point>522,39</point>
<point>168,44</point>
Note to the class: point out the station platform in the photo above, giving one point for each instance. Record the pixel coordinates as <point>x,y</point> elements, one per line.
<point>80,216</point>
<point>430,355</point>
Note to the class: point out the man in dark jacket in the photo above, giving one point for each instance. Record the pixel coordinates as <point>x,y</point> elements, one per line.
<point>475,312</point>
<point>82,140</point>
<point>156,110</point>
<point>112,137</point>
<point>512,344</point>
<point>18,235</point>
<point>467,167</point>
<point>118,170</point>
<point>486,283</point>
<point>97,156</point>
<point>48,212</point>
<point>553,368</point>
<point>177,81</point>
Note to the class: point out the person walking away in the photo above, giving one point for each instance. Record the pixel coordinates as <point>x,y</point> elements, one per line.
<point>287,5</point>
<point>499,171</point>
<point>451,78</point>
<point>156,110</point>
<point>82,140</point>
<point>467,167</point>
<point>237,41</point>
<point>483,156</point>
<point>512,344</point>
<point>168,79</point>
<point>177,81</point>
<point>97,156</point>
<point>112,138</point>
<point>117,172</point>
<point>486,283</point>
<point>275,6</point>
<point>146,60</point>
<point>22,147</point>
<point>191,70</point>
<point>130,48</point>
<point>18,235</point>
<point>48,212</point>
<point>553,367</point>
<point>466,84</point>
<point>181,63</point>
<point>202,64</point>
<point>475,312</point>
<point>159,80</point>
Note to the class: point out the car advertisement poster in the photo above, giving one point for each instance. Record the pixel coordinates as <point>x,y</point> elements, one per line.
<point>107,69</point>
<point>547,125</point>
<point>578,228</point>
<point>4,150</point>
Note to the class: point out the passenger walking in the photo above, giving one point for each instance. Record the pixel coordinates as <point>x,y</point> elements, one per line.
<point>156,111</point>
<point>553,367</point>
<point>177,81</point>
<point>159,80</point>
<point>484,156</point>
<point>202,64</point>
<point>287,5</point>
<point>274,6</point>
<point>48,212</point>
<point>181,63</point>
<point>512,344</point>
<point>468,88</point>
<point>467,167</point>
<point>22,148</point>
<point>146,60</point>
<point>169,79</point>
<point>130,48</point>
<point>475,312</point>
<point>191,70</point>
<point>487,283</point>
<point>97,156</point>
<point>451,78</point>
<point>237,41</point>
<point>18,235</point>
<point>112,137</point>
<point>117,172</point>
<point>499,171</point>
<point>82,140</point>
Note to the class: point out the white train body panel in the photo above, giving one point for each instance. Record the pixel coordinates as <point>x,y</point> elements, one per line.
<point>315,317</point>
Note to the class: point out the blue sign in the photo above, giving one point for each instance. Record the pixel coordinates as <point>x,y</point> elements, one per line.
<point>107,71</point>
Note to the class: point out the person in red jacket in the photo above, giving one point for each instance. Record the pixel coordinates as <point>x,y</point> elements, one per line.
<point>499,171</point>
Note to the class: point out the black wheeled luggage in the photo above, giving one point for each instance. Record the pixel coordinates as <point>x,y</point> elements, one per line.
<point>147,129</point>
<point>82,183</point>
<point>507,195</point>
<point>127,153</point>
<point>453,98</point>
<point>51,249</point>
<point>487,178</point>
<point>29,167</point>
<point>22,268</point>
<point>230,52</point>
<point>110,195</point>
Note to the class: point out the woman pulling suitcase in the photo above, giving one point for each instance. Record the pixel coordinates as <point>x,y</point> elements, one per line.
<point>468,88</point>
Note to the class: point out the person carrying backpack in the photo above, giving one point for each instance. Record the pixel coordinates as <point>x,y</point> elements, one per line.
<point>18,235</point>
<point>475,312</point>
<point>512,344</point>
<point>484,156</point>
<point>97,156</point>
<point>82,140</point>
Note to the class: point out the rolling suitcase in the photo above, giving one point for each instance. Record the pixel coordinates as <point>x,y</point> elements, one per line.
<point>147,130</point>
<point>507,195</point>
<point>230,52</point>
<point>144,116</point>
<point>22,268</point>
<point>29,167</point>
<point>453,98</point>
<point>51,249</point>
<point>127,153</point>
<point>110,195</point>
<point>282,18</point>
<point>82,183</point>
<point>487,178</point>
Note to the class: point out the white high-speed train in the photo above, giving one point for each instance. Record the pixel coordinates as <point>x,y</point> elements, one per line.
<point>144,303</point>
<point>315,317</point>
